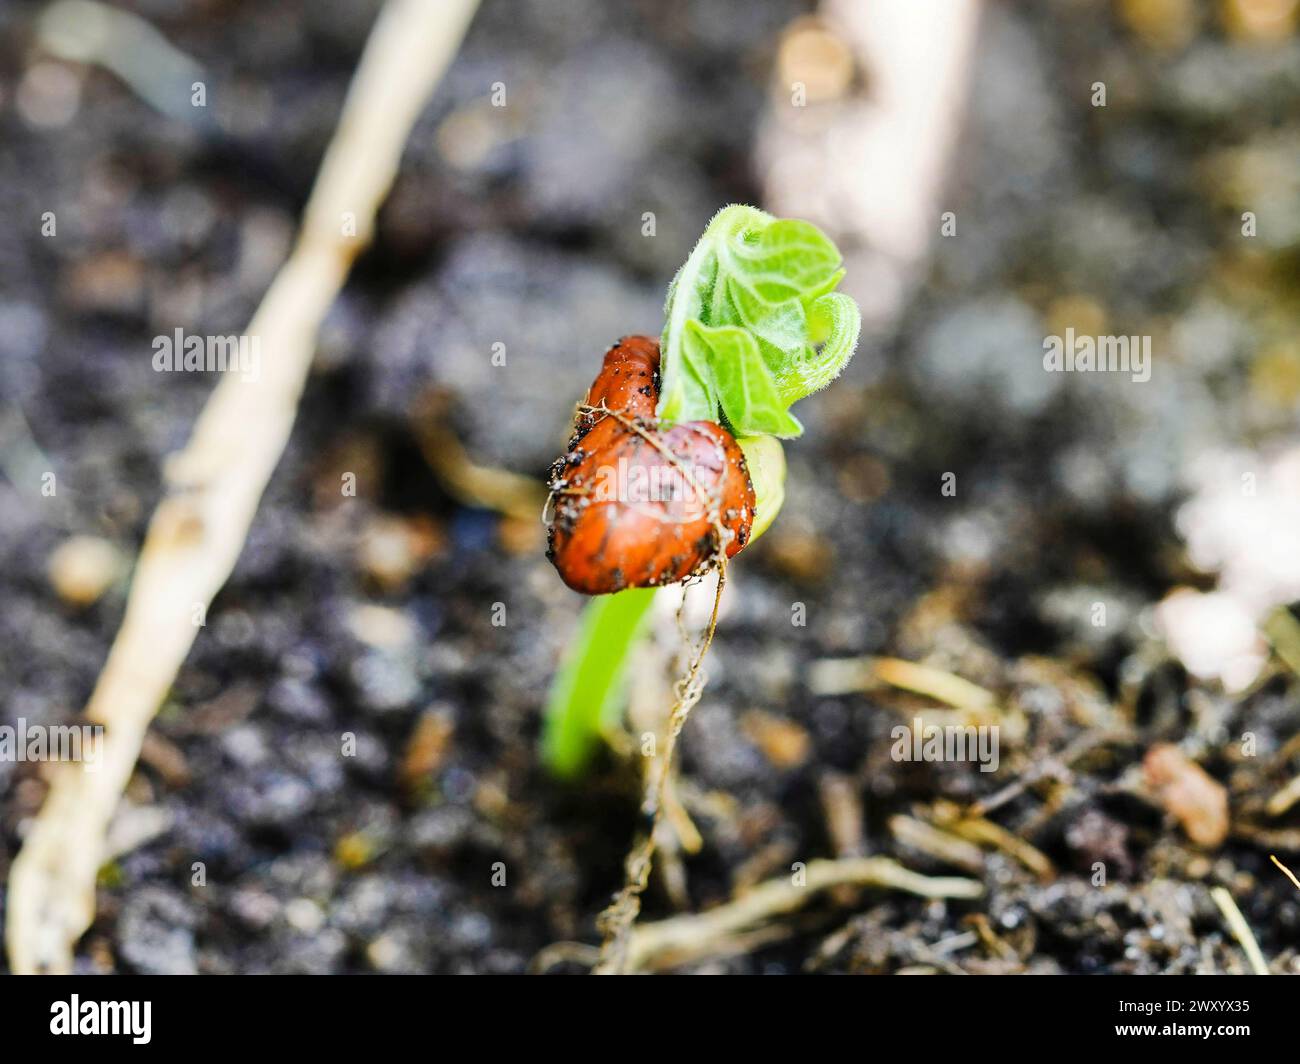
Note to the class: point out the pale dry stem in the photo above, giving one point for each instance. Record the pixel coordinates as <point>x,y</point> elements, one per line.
<point>215,484</point>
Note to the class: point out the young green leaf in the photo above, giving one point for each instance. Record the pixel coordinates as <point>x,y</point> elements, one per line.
<point>747,392</point>
<point>834,324</point>
<point>753,325</point>
<point>788,259</point>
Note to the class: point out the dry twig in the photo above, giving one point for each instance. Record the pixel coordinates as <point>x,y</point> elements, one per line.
<point>1285,871</point>
<point>214,485</point>
<point>1240,929</point>
<point>681,939</point>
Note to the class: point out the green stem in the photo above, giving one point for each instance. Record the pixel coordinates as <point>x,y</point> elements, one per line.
<point>588,692</point>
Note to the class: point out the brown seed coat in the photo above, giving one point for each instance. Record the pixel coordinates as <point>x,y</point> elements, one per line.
<point>637,503</point>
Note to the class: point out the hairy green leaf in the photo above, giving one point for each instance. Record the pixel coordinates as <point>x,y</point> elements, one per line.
<point>747,392</point>
<point>753,323</point>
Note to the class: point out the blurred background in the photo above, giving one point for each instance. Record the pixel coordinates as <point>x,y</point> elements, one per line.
<point>1169,209</point>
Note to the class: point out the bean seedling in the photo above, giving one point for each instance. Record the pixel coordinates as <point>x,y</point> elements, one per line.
<point>752,325</point>
<point>675,465</point>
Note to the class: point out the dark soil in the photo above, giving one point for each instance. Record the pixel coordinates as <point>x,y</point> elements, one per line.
<point>1067,491</point>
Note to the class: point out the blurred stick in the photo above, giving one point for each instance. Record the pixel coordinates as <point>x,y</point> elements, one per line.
<point>87,31</point>
<point>512,494</point>
<point>214,485</point>
<point>1240,929</point>
<point>830,676</point>
<point>868,161</point>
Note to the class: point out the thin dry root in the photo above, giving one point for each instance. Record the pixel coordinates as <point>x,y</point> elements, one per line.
<point>615,923</point>
<point>1285,871</point>
<point>683,939</point>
